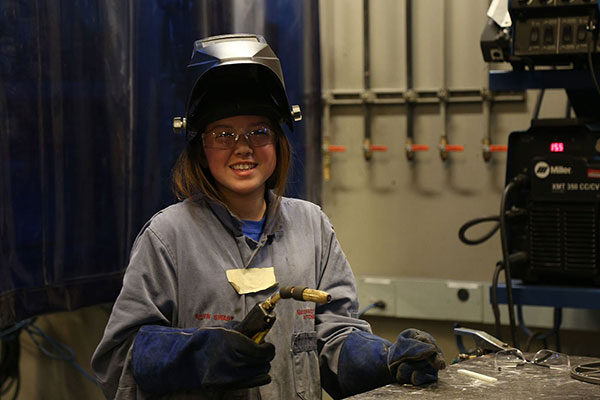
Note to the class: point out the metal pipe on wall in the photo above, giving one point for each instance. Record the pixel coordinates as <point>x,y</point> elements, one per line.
<point>368,147</point>
<point>410,96</point>
<point>444,93</point>
<point>327,148</point>
<point>487,138</point>
<point>487,147</point>
<point>366,79</point>
<point>410,139</point>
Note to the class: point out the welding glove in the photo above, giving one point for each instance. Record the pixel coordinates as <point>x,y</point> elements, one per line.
<point>367,361</point>
<point>167,360</point>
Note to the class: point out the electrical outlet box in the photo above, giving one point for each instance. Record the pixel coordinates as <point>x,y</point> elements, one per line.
<point>457,301</point>
<point>372,289</point>
<point>439,299</point>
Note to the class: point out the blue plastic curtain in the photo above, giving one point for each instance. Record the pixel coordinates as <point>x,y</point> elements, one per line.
<point>88,91</point>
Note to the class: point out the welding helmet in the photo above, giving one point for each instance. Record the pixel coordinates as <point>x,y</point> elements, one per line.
<point>236,74</point>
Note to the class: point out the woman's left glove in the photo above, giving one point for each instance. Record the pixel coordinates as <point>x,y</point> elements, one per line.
<point>415,357</point>
<point>367,361</point>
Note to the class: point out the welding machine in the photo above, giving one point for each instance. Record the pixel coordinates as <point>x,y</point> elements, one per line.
<point>549,212</point>
<point>554,216</point>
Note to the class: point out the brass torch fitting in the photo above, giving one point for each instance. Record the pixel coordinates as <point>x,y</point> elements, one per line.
<point>304,294</point>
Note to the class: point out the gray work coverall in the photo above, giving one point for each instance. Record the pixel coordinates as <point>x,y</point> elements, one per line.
<point>176,277</point>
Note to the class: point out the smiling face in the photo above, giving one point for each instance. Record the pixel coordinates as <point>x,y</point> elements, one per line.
<point>243,169</point>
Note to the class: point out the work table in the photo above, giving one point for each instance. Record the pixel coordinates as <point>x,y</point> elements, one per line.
<point>527,382</point>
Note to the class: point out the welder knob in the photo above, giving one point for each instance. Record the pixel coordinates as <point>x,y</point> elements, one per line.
<point>296,113</point>
<point>178,125</point>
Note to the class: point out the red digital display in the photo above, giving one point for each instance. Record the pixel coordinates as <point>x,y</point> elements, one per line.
<point>557,147</point>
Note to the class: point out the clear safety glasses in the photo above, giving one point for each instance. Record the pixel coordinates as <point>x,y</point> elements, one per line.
<point>544,358</point>
<point>222,139</point>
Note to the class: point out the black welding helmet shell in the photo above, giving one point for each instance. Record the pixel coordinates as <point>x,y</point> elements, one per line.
<point>236,74</point>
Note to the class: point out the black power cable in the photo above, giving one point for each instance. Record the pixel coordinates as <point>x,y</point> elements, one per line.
<point>593,28</point>
<point>494,299</point>
<point>538,104</point>
<point>506,258</point>
<point>469,224</point>
<point>515,183</point>
<point>378,304</point>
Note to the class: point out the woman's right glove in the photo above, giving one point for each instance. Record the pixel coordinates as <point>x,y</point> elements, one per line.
<point>367,361</point>
<point>167,360</point>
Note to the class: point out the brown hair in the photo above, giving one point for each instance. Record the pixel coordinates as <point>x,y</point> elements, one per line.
<point>191,176</point>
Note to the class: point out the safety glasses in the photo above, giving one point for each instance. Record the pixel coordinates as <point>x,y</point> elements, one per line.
<point>222,139</point>
<point>544,358</point>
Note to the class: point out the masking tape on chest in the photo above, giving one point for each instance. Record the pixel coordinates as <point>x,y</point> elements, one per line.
<point>251,280</point>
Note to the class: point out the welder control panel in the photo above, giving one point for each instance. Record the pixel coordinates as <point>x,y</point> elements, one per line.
<point>562,162</point>
<point>551,30</point>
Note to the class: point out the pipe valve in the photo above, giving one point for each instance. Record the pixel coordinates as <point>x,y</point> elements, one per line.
<point>327,150</point>
<point>446,148</point>
<point>369,148</point>
<point>411,148</point>
<point>488,149</point>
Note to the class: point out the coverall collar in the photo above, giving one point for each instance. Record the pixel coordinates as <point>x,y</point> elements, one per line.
<point>234,224</point>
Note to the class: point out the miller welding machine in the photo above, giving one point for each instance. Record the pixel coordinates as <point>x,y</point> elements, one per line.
<point>554,216</point>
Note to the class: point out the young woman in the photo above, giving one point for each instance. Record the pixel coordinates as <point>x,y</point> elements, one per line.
<point>199,266</point>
